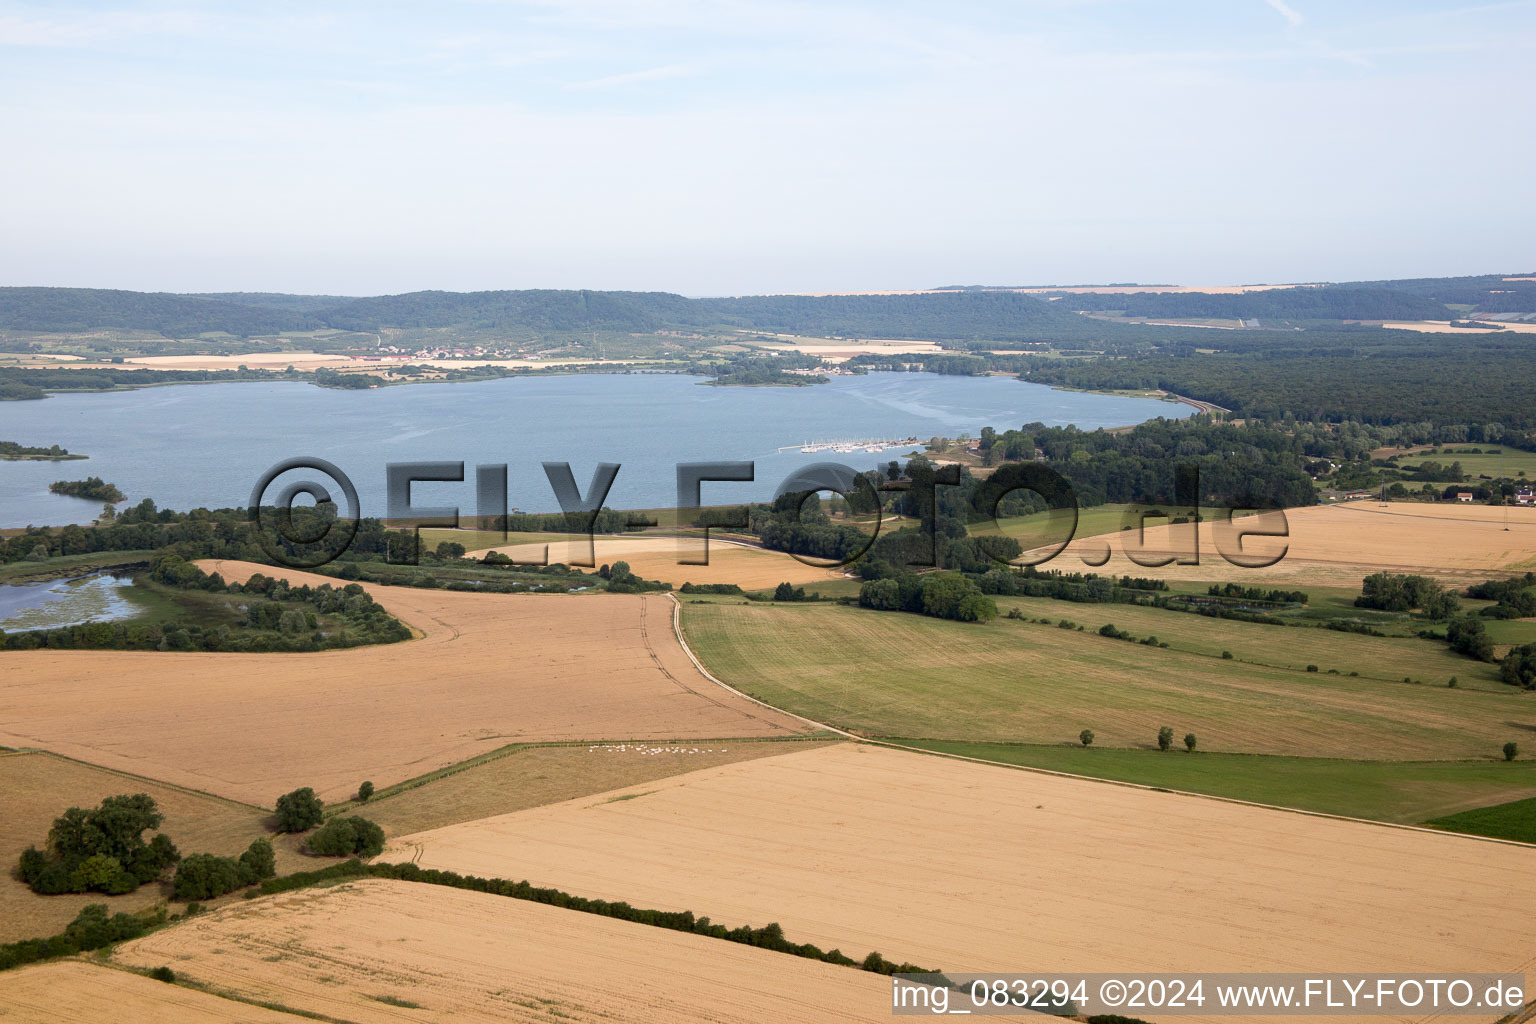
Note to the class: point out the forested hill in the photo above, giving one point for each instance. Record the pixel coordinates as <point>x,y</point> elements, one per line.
<point>536,309</point>
<point>965,315</point>
<point>1328,303</point>
<point>1488,293</point>
<point>175,316</point>
<point>970,316</point>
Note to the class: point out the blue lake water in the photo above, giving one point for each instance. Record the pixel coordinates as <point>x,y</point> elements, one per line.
<point>207,445</point>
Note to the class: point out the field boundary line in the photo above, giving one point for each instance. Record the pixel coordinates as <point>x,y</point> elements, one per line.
<point>39,751</point>
<point>677,625</point>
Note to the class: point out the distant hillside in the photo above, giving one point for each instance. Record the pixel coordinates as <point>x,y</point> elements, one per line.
<point>1330,303</point>
<point>1487,293</point>
<point>985,316</point>
<point>535,309</point>
<point>276,300</point>
<point>972,316</point>
<point>178,316</point>
<point>958,316</point>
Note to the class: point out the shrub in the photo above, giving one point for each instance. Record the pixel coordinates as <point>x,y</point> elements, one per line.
<point>299,810</point>
<point>1226,655</point>
<point>164,974</point>
<point>1165,737</point>
<point>1452,683</point>
<point>365,792</point>
<point>347,837</point>
<point>1085,737</point>
<point>1313,668</point>
<point>1189,742</point>
<point>1511,750</point>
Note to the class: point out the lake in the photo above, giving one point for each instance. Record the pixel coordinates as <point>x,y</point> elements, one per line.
<point>207,444</point>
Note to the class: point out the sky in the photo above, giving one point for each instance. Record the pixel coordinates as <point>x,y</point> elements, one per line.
<point>720,147</point>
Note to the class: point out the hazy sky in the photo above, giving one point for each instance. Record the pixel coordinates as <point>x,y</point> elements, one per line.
<point>738,147</point>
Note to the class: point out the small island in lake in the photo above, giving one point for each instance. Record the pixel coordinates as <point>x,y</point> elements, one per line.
<point>20,452</point>
<point>93,487</point>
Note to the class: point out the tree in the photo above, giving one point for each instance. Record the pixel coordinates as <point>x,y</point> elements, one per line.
<point>1165,737</point>
<point>883,595</point>
<point>1189,742</point>
<point>299,810</point>
<point>1511,750</point>
<point>365,792</point>
<point>259,861</point>
<point>202,876</point>
<point>346,837</point>
<point>1085,737</point>
<point>1467,635</point>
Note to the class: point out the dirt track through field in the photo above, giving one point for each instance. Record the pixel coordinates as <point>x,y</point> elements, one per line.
<point>492,669</point>
<point>963,866</point>
<point>361,950</point>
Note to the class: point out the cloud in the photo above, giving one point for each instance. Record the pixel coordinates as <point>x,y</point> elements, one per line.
<point>1291,15</point>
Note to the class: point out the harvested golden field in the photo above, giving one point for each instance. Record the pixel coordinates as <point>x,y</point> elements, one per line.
<point>964,866</point>
<point>40,787</point>
<point>1335,545</point>
<point>72,992</point>
<point>492,669</point>
<point>379,950</point>
<point>655,558</point>
<point>534,776</point>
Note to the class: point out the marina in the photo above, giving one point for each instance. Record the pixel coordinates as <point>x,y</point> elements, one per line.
<point>847,447</point>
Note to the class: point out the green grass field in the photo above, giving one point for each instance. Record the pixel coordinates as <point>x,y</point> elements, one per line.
<point>1043,528</point>
<point>1510,462</point>
<point>1514,820</point>
<point>1405,792</point>
<point>896,674</point>
<point>1388,659</point>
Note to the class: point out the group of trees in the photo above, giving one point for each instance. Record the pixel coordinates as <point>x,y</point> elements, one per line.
<point>100,850</point>
<point>93,928</point>
<point>1467,635</point>
<point>622,580</point>
<point>301,810</point>
<point>1398,592</point>
<point>1516,597</point>
<point>92,487</point>
<point>13,450</point>
<point>205,876</point>
<point>1164,739</point>
<point>940,595</point>
<point>1519,667</point>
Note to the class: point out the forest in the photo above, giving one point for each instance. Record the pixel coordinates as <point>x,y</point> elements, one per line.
<point>1331,303</point>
